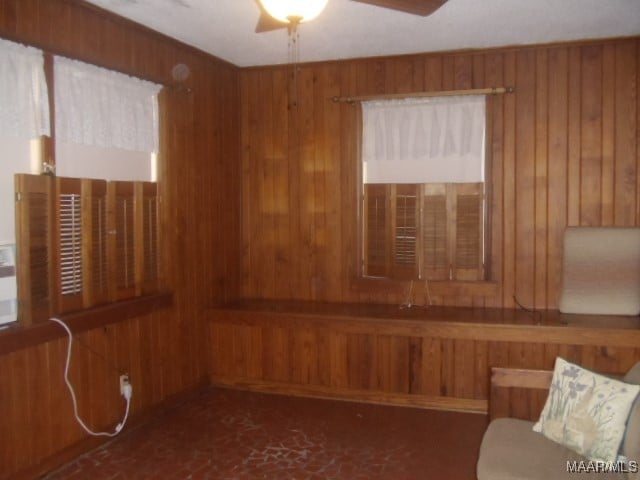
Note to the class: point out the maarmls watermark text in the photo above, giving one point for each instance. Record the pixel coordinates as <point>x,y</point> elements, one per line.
<point>590,466</point>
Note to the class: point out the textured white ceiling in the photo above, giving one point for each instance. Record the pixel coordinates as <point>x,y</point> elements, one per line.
<point>346,29</point>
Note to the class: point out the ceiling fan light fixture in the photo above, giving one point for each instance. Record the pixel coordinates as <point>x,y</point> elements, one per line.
<point>294,11</point>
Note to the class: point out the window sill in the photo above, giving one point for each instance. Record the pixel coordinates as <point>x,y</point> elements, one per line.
<point>17,337</point>
<point>438,288</point>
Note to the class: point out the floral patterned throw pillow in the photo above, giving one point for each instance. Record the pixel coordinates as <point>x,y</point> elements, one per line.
<point>586,412</point>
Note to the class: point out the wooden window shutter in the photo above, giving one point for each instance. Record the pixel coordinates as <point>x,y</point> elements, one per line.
<point>430,231</point>
<point>435,249</point>
<point>377,224</point>
<point>68,242</point>
<point>469,223</point>
<point>94,208</point>
<point>34,222</point>
<point>120,196</point>
<point>147,271</point>
<point>404,208</point>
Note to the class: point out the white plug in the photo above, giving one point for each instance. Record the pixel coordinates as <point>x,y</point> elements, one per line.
<point>124,381</point>
<point>127,391</point>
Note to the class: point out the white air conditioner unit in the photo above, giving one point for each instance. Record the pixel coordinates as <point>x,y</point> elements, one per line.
<point>8,285</point>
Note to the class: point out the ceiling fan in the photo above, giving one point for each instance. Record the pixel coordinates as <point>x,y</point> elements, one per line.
<point>267,23</point>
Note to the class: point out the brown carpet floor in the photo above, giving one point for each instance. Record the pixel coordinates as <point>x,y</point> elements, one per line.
<point>228,434</point>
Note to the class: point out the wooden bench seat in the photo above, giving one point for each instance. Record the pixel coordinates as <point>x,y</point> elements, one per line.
<point>435,357</point>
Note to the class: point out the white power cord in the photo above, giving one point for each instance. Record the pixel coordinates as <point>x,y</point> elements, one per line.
<point>127,391</point>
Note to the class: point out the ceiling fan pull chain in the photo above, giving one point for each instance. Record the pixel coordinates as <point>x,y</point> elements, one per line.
<point>294,58</point>
<point>290,47</point>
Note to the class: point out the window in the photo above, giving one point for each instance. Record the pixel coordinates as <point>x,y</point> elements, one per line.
<point>91,236</point>
<point>24,117</point>
<point>423,191</point>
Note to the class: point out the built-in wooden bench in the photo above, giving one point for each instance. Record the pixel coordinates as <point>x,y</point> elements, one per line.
<point>433,357</point>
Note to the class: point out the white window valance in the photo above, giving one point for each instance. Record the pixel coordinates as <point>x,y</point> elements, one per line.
<point>24,102</point>
<point>103,108</point>
<point>424,140</point>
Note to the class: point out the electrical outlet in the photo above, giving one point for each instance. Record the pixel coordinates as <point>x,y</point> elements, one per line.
<point>124,380</point>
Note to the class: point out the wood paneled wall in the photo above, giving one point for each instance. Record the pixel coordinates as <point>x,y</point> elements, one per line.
<point>564,151</point>
<point>200,185</point>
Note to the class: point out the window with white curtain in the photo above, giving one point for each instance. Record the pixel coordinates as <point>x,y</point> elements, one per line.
<point>423,172</point>
<point>103,201</point>
<point>88,235</point>
<point>24,117</point>
<point>106,123</point>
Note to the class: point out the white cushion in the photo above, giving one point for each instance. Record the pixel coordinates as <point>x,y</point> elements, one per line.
<point>586,412</point>
<point>601,271</point>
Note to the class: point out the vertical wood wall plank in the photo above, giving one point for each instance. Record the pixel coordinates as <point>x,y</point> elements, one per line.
<point>541,168</point>
<point>626,138</point>
<point>574,95</point>
<point>525,178</point>
<point>558,167</point>
<point>494,263</point>
<point>284,257</point>
<point>509,218</point>
<point>591,137</point>
<point>608,134</point>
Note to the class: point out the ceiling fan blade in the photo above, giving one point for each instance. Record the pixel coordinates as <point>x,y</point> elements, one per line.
<point>416,7</point>
<point>266,22</point>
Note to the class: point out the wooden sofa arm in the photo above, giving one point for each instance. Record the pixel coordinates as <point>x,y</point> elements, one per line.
<point>518,393</point>
<point>518,377</point>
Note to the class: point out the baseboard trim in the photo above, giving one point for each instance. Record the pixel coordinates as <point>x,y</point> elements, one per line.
<point>87,444</point>
<point>351,395</point>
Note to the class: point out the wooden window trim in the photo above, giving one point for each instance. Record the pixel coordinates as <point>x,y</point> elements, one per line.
<point>17,336</point>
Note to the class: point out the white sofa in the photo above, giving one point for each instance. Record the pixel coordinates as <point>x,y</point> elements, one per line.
<point>511,450</point>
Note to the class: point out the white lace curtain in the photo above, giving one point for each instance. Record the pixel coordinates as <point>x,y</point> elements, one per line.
<point>103,108</point>
<point>24,102</point>
<point>424,140</point>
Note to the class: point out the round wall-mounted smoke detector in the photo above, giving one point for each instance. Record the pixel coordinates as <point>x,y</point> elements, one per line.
<point>180,72</point>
